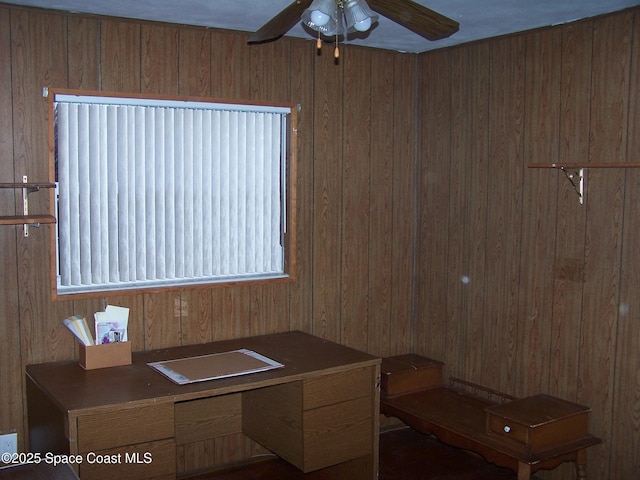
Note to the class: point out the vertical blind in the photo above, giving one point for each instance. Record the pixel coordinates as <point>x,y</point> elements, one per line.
<point>167,193</point>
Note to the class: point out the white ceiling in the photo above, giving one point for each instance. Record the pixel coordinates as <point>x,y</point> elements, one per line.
<point>478,18</point>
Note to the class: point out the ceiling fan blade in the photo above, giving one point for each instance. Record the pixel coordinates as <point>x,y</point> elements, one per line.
<point>281,23</point>
<point>421,20</point>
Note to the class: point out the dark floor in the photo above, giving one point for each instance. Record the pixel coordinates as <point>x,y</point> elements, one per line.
<point>404,455</point>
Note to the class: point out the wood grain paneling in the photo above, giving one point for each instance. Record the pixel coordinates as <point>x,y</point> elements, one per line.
<point>457,280</point>
<point>553,311</point>
<point>84,72</point>
<point>571,216</point>
<point>380,203</point>
<point>504,211</point>
<point>38,56</point>
<point>11,370</point>
<point>194,58</point>
<point>327,195</point>
<point>603,238</point>
<point>541,127</point>
<point>301,291</point>
<point>196,317</point>
<point>356,173</point>
<point>120,52</point>
<point>162,320</point>
<point>405,139</point>
<point>541,140</point>
<point>159,59</point>
<point>230,62</point>
<point>478,197</point>
<point>626,400</point>
<point>433,207</point>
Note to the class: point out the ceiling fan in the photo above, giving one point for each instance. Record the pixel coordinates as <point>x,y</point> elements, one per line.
<point>355,15</point>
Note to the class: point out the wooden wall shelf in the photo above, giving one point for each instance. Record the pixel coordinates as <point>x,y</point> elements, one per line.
<point>571,166</point>
<point>34,186</point>
<point>574,172</point>
<point>27,219</point>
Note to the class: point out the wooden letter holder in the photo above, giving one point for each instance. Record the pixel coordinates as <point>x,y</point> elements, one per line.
<point>105,355</point>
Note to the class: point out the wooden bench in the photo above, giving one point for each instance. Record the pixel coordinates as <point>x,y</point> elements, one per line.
<point>525,435</point>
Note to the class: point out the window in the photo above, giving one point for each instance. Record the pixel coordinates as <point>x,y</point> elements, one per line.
<point>155,192</point>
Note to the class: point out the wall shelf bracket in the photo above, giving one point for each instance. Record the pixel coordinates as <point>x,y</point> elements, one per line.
<point>576,178</point>
<point>26,190</point>
<point>575,171</point>
<point>26,218</point>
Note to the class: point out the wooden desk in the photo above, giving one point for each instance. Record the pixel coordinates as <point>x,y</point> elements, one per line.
<point>460,419</point>
<point>318,412</point>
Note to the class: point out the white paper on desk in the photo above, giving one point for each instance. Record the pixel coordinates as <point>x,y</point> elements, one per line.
<point>78,326</point>
<point>111,325</point>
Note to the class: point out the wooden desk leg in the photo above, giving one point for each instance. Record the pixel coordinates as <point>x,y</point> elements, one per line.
<point>581,464</point>
<point>524,471</point>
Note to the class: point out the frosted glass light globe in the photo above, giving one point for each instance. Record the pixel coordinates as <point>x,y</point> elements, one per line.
<point>319,18</point>
<point>364,25</point>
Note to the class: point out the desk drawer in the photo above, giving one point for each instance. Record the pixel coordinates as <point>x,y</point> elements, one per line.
<point>336,388</point>
<point>206,418</point>
<point>508,429</point>
<point>144,461</point>
<point>125,426</point>
<point>336,433</point>
<point>539,422</point>
<point>314,423</point>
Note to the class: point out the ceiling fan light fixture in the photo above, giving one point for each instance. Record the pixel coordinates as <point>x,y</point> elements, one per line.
<point>359,16</point>
<point>320,18</point>
<point>320,14</point>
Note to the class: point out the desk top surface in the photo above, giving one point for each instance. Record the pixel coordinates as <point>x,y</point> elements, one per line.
<point>303,355</point>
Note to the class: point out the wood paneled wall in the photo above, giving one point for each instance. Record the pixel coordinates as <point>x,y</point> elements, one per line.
<point>355,206</point>
<point>420,226</point>
<point>520,287</point>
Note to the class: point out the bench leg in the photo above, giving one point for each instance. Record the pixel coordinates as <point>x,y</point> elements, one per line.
<point>524,471</point>
<point>581,464</point>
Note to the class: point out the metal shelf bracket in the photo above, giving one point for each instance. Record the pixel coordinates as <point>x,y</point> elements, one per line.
<point>25,204</point>
<point>576,178</point>
<point>575,172</point>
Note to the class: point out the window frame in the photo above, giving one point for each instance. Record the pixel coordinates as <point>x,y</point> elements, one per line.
<point>290,210</point>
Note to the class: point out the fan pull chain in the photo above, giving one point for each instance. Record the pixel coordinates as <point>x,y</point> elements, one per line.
<point>319,42</point>
<point>336,52</point>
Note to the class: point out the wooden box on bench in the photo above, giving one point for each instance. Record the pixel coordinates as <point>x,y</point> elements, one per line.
<point>539,422</point>
<point>409,373</point>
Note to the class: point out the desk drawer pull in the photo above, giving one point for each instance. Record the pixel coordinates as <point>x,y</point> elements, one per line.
<point>507,429</point>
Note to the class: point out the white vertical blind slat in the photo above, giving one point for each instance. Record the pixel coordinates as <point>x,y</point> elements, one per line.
<point>216,184</point>
<point>189,226</point>
<point>139,196</point>
<point>84,178</point>
<point>197,202</point>
<point>63,122</point>
<point>208,196</point>
<point>112,178</point>
<point>159,209</point>
<point>170,195</point>
<point>226,183</point>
